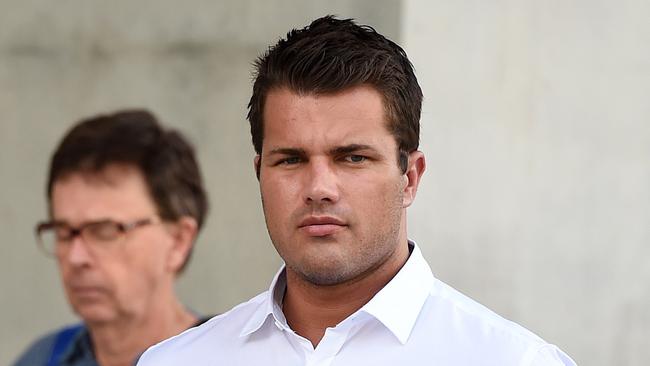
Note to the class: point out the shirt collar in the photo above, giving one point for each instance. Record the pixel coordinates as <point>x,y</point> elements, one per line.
<point>271,305</point>
<point>396,306</point>
<point>80,350</point>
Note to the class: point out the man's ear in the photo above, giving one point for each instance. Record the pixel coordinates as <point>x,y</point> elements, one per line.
<point>256,162</point>
<point>413,174</point>
<point>183,232</point>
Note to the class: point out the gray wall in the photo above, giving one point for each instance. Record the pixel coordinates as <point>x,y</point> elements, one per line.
<point>537,132</point>
<point>536,200</point>
<point>188,61</point>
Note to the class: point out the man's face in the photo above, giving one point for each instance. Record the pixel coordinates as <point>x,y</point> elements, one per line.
<point>118,280</point>
<point>332,191</point>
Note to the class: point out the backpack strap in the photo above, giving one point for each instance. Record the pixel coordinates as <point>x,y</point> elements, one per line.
<point>61,343</point>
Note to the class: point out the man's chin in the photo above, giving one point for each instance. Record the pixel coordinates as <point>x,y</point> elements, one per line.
<point>329,273</point>
<point>323,278</point>
<point>94,313</point>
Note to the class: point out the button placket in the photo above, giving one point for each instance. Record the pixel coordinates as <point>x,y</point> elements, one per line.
<point>330,345</point>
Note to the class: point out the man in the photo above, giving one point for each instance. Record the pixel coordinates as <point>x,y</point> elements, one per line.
<point>335,123</point>
<point>126,202</point>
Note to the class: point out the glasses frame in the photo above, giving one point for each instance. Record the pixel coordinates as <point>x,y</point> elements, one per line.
<point>75,231</point>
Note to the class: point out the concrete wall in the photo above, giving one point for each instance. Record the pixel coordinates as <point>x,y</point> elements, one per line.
<point>536,128</point>
<point>537,196</point>
<point>190,62</point>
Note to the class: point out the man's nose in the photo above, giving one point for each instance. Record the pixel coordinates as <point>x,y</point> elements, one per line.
<point>78,253</point>
<point>322,184</point>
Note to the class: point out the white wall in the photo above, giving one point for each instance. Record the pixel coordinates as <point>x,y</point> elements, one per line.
<point>536,128</point>
<point>536,200</point>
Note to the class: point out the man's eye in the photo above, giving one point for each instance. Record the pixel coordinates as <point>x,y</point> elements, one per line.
<point>290,160</point>
<point>355,158</point>
<point>63,233</point>
<point>107,230</point>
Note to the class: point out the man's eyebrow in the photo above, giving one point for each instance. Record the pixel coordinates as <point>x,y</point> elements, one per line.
<point>287,151</point>
<point>341,150</point>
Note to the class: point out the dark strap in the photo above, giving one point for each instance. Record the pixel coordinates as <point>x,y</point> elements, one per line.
<point>202,320</point>
<point>61,343</point>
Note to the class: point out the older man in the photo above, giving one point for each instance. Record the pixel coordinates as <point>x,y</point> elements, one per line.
<point>126,202</point>
<point>335,123</point>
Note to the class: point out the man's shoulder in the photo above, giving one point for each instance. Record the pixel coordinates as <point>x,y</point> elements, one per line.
<point>486,331</point>
<point>475,314</point>
<point>218,332</point>
<point>40,351</point>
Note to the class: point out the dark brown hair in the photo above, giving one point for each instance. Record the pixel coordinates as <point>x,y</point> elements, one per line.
<point>134,137</point>
<point>331,55</point>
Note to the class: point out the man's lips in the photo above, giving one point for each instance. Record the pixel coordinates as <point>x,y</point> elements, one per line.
<point>87,291</point>
<point>321,225</point>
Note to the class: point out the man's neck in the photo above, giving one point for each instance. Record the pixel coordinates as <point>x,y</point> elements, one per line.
<point>311,309</point>
<point>120,343</point>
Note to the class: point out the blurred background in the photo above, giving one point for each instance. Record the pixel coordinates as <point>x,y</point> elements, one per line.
<point>536,127</point>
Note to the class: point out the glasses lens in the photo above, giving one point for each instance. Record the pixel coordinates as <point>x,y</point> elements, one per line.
<point>103,231</point>
<point>47,239</point>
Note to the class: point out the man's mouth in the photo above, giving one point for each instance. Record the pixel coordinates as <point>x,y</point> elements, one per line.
<point>87,292</point>
<point>319,226</point>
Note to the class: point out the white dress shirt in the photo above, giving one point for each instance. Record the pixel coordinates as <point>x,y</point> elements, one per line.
<point>414,320</point>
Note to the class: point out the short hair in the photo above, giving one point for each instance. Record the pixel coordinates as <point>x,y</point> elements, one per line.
<point>134,137</point>
<point>332,55</point>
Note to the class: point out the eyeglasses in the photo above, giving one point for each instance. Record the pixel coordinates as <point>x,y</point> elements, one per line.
<point>54,236</point>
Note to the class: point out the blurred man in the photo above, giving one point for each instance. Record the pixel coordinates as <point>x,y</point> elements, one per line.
<point>335,123</point>
<point>126,202</point>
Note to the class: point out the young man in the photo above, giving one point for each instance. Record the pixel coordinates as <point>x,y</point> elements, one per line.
<point>335,123</point>
<point>126,202</point>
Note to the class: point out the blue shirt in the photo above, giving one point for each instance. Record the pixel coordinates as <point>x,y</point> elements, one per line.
<point>77,351</point>
<point>73,349</point>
